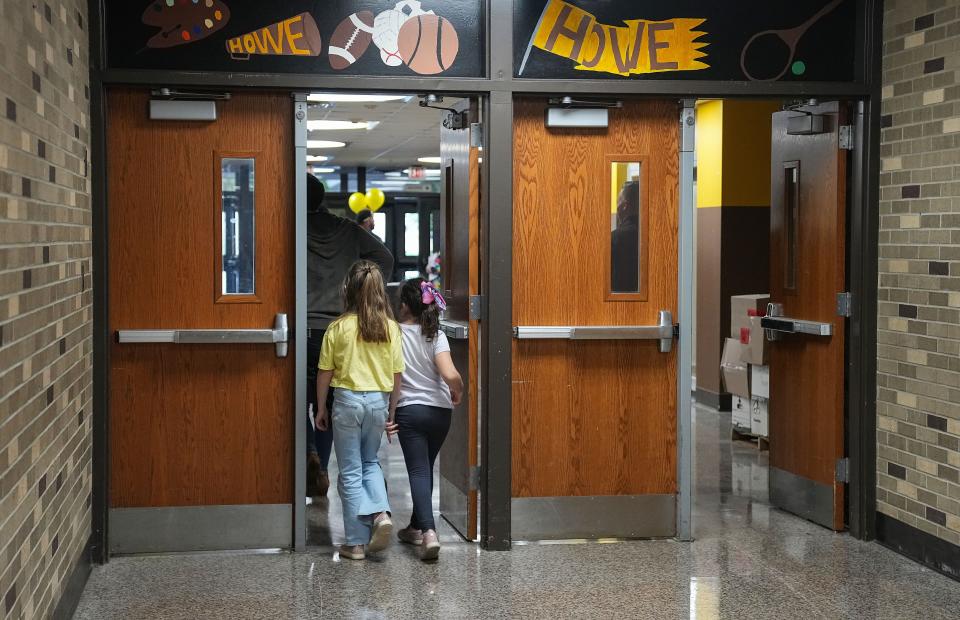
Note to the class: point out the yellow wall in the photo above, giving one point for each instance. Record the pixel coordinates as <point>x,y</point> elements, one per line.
<point>733,153</point>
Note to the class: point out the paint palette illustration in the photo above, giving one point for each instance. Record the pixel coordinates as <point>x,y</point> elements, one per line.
<point>184,21</point>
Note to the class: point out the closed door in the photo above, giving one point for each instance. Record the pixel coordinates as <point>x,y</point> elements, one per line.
<point>807,258</point>
<point>459,222</point>
<point>594,296</point>
<point>201,231</point>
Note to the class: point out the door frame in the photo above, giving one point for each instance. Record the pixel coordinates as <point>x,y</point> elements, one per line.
<point>497,92</point>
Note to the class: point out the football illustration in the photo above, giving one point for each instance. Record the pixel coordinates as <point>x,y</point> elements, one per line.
<point>351,39</point>
<point>386,29</point>
<point>428,44</point>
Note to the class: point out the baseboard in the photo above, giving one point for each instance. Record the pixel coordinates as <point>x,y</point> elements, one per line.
<point>720,402</point>
<point>75,584</point>
<point>919,546</point>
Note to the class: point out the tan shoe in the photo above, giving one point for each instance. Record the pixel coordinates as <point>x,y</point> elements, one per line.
<point>380,533</point>
<point>410,536</point>
<point>352,552</point>
<point>430,547</point>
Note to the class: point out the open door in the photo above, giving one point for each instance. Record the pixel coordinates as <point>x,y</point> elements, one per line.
<point>807,271</point>
<point>460,275</point>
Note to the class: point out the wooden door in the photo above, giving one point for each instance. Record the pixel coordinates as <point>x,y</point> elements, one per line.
<point>594,421</point>
<point>201,435</point>
<point>807,258</point>
<point>460,275</point>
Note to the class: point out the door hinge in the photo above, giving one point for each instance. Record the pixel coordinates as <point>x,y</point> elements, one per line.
<point>475,478</point>
<point>842,473</point>
<point>476,307</point>
<point>476,135</point>
<point>847,136</point>
<point>844,304</point>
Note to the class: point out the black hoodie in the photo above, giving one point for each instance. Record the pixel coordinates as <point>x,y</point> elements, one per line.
<point>333,245</point>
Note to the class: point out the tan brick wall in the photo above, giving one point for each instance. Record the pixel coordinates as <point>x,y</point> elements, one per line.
<point>918,425</point>
<point>45,301</point>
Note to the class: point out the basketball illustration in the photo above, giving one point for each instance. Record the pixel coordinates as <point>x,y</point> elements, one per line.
<point>386,29</point>
<point>428,44</point>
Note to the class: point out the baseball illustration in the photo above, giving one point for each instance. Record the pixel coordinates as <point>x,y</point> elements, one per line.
<point>428,44</point>
<point>351,39</point>
<point>386,29</point>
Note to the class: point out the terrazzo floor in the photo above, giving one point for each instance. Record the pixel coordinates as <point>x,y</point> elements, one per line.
<point>748,561</point>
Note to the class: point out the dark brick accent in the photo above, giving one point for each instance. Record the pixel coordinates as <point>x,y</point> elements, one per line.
<point>76,131</point>
<point>49,394</point>
<point>63,346</point>
<point>11,109</point>
<point>10,599</point>
<point>59,483</point>
<point>907,311</point>
<point>933,65</point>
<point>910,191</point>
<point>56,544</point>
<point>936,516</point>
<point>80,19</point>
<point>897,471</point>
<point>26,188</point>
<point>41,149</point>
<point>80,418</point>
<point>886,121</point>
<point>938,268</point>
<point>52,174</point>
<point>27,278</point>
<point>937,422</point>
<point>47,13</point>
<point>42,487</point>
<point>69,56</point>
<point>923,22</point>
<point>46,254</point>
<point>36,82</point>
<point>86,91</point>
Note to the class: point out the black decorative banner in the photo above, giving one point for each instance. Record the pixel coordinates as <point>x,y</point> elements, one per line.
<point>355,37</point>
<point>755,40</point>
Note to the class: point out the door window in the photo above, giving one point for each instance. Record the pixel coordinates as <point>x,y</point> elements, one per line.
<point>626,208</point>
<point>237,228</point>
<point>791,215</point>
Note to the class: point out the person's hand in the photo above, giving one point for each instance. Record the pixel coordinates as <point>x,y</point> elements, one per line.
<point>322,420</point>
<point>456,396</point>
<point>391,427</point>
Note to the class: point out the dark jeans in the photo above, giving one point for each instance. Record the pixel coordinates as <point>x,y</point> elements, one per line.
<point>422,431</point>
<point>318,441</point>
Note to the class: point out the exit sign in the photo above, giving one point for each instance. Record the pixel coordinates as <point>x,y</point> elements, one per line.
<point>416,172</point>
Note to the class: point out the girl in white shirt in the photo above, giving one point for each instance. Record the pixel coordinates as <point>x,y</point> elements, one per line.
<point>430,386</point>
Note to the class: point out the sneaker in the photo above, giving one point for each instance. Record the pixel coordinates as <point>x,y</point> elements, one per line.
<point>380,534</point>
<point>352,552</point>
<point>313,475</point>
<point>430,547</point>
<point>410,536</point>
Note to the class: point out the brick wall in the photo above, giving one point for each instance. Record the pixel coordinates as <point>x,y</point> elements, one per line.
<point>919,302</point>
<point>45,301</point>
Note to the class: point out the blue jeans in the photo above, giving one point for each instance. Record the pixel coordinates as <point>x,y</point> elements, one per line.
<point>359,419</point>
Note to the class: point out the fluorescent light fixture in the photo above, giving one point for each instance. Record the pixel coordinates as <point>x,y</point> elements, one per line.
<point>430,172</point>
<point>318,158</point>
<point>348,98</point>
<point>429,160</point>
<point>325,144</point>
<point>323,170</point>
<point>328,125</point>
<point>394,173</point>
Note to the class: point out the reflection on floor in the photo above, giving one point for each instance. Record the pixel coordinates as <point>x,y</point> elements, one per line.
<point>749,561</point>
<point>325,519</point>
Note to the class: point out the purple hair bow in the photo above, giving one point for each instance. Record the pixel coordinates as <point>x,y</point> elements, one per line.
<point>429,294</point>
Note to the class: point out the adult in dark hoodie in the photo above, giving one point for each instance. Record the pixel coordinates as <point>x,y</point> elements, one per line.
<point>333,245</point>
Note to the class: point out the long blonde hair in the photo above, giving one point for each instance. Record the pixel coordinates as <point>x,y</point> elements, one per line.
<point>365,295</point>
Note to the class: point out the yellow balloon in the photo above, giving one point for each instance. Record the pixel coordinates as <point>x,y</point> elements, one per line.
<point>375,198</point>
<point>357,202</point>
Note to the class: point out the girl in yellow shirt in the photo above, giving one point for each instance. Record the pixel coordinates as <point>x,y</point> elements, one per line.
<point>361,359</point>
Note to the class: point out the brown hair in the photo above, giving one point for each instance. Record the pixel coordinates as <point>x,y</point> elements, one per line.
<point>364,295</point>
<point>428,316</point>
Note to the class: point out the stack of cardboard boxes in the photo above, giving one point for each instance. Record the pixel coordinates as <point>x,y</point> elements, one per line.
<point>744,365</point>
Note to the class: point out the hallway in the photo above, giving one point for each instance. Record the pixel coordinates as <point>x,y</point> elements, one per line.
<point>749,561</point>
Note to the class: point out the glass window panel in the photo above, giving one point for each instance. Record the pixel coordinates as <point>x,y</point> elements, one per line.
<point>237,225</point>
<point>410,274</point>
<point>625,228</point>
<point>380,225</point>
<point>791,214</point>
<point>411,234</point>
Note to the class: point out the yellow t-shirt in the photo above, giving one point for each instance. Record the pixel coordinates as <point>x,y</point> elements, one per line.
<point>357,365</point>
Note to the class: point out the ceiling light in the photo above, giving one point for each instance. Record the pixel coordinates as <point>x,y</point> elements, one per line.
<point>430,172</point>
<point>337,125</point>
<point>394,173</point>
<point>318,158</point>
<point>325,144</point>
<point>429,160</point>
<point>323,170</point>
<point>345,98</point>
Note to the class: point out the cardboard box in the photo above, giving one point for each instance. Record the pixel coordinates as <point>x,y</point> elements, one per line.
<point>760,382</point>
<point>760,416</point>
<point>755,347</point>
<point>740,307</point>
<point>735,372</point>
<point>740,414</point>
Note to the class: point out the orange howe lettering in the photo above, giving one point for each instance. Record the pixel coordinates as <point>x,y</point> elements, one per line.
<point>293,36</point>
<point>235,46</point>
